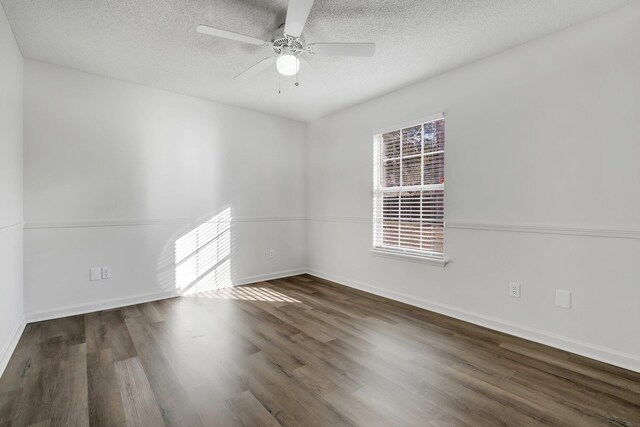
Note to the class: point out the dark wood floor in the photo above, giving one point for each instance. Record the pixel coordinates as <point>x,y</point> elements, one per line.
<point>299,351</point>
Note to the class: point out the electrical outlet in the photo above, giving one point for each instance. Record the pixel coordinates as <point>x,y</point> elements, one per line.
<point>563,298</point>
<point>106,272</point>
<point>95,273</point>
<point>272,253</point>
<point>514,289</point>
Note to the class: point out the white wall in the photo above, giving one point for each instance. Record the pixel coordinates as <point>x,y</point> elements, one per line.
<point>11,307</point>
<point>542,153</point>
<point>116,174</point>
<point>543,143</point>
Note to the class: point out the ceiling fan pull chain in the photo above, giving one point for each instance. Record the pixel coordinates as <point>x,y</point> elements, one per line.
<point>279,84</point>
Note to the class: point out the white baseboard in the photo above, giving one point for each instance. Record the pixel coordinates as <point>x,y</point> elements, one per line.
<point>10,345</point>
<point>612,357</point>
<point>72,310</point>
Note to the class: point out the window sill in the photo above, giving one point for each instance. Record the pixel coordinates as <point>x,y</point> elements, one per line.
<point>408,257</point>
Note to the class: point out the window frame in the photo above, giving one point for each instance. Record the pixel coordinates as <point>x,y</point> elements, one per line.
<point>405,254</point>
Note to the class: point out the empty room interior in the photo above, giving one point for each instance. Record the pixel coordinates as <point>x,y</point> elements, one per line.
<point>320,213</point>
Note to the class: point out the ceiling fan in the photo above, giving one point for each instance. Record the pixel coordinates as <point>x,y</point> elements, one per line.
<point>287,43</point>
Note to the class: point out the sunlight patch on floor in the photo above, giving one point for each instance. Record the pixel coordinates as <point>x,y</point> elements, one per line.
<point>246,293</point>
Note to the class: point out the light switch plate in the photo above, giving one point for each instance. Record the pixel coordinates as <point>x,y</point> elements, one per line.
<point>106,272</point>
<point>95,273</point>
<point>563,298</point>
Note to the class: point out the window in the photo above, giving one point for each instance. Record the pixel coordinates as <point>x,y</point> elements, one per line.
<point>408,213</point>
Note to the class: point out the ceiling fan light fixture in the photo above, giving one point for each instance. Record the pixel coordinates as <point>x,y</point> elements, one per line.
<point>288,65</point>
<point>288,43</point>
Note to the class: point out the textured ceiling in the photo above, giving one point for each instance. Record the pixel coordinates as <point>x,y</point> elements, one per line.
<point>153,42</point>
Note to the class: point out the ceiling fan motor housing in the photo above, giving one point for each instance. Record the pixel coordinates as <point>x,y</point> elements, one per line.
<point>280,40</point>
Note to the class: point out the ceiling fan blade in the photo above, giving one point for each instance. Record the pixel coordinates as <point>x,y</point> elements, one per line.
<point>297,14</point>
<point>343,49</point>
<point>256,69</point>
<point>217,32</point>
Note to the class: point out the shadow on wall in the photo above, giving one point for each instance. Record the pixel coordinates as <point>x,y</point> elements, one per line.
<point>198,259</point>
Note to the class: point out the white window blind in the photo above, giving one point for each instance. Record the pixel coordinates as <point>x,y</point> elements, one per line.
<point>408,215</point>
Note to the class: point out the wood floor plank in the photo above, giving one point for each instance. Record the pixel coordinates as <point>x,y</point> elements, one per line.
<point>210,407</point>
<point>8,406</point>
<point>46,423</point>
<point>263,335</point>
<point>250,412</point>
<point>23,359</point>
<point>300,351</point>
<point>56,390</point>
<point>105,402</point>
<point>138,401</point>
<point>71,401</point>
<point>169,392</point>
<point>107,330</point>
<point>288,401</point>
